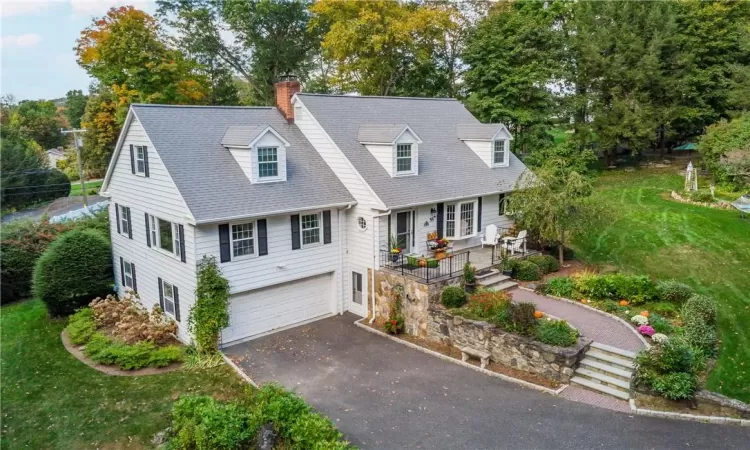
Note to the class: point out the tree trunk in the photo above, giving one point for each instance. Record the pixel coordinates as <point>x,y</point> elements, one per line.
<point>561,248</point>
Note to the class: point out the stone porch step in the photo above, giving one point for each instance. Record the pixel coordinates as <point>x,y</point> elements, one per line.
<point>614,351</point>
<point>603,378</point>
<point>599,387</point>
<point>592,364</point>
<point>490,277</point>
<point>502,286</point>
<point>621,363</point>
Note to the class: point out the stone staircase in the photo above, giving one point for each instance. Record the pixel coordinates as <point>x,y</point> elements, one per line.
<point>494,279</point>
<point>606,369</point>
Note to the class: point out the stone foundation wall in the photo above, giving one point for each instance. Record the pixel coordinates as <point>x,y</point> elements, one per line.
<point>418,299</point>
<point>522,353</point>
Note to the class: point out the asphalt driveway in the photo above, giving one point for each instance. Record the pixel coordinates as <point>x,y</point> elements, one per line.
<point>382,394</point>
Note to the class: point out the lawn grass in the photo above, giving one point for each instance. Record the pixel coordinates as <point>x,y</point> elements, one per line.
<point>75,187</point>
<point>52,400</point>
<point>708,249</point>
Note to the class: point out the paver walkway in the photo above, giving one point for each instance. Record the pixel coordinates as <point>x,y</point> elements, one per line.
<point>600,328</point>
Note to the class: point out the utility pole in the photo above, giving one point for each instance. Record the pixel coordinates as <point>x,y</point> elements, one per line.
<point>80,162</point>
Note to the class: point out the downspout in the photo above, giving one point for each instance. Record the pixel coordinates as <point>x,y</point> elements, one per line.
<point>374,261</point>
<point>342,235</point>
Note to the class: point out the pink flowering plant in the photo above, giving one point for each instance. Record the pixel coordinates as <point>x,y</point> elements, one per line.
<point>646,330</point>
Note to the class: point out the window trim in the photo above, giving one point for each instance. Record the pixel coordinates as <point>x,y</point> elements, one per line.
<point>156,240</point>
<point>164,297</point>
<point>138,149</point>
<point>319,215</point>
<point>506,151</point>
<point>276,162</point>
<point>254,229</point>
<point>125,265</point>
<point>457,219</point>
<point>410,158</point>
<point>125,224</point>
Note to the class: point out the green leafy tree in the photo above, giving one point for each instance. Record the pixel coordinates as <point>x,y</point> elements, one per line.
<point>38,120</point>
<point>726,150</point>
<point>75,104</point>
<point>553,201</point>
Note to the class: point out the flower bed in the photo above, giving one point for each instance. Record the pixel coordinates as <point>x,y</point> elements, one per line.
<point>120,332</point>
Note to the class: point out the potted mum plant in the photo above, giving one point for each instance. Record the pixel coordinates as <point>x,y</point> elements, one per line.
<point>505,265</point>
<point>470,278</point>
<point>395,247</point>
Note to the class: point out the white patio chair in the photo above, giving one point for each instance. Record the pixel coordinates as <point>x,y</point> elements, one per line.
<point>515,244</point>
<point>490,236</point>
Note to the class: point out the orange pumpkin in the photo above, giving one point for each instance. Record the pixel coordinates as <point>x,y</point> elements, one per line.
<point>422,262</point>
<point>644,313</point>
<point>538,314</point>
<point>583,300</point>
<point>623,303</point>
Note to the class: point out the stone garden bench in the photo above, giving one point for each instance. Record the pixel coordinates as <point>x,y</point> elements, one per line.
<point>484,357</point>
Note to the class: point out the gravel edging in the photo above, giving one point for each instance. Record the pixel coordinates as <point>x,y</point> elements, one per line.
<point>522,383</point>
<point>112,370</point>
<point>619,319</point>
<point>688,417</point>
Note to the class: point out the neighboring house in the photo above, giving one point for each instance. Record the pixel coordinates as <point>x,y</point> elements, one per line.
<point>296,202</point>
<point>53,156</point>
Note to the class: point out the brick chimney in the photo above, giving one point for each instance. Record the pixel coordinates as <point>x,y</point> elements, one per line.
<point>285,89</point>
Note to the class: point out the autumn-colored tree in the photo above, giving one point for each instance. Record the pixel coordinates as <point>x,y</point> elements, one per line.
<point>377,44</point>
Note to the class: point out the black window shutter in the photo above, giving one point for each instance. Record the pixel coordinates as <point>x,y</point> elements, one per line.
<point>130,224</point>
<point>295,232</point>
<point>148,231</point>
<point>117,217</point>
<point>224,249</point>
<point>440,213</point>
<point>176,294</point>
<point>479,214</point>
<point>135,283</point>
<point>132,159</point>
<point>501,205</point>
<point>389,231</point>
<point>122,273</point>
<point>327,227</point>
<point>145,160</point>
<point>262,238</point>
<point>182,243</point>
<point>161,295</point>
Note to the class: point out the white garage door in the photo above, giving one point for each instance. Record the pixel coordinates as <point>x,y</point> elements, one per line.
<point>263,310</point>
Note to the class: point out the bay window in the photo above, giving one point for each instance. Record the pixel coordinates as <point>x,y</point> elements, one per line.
<point>460,219</point>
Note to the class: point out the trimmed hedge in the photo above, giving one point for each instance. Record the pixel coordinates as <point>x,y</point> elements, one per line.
<point>74,269</point>
<point>700,306</point>
<point>547,263</point>
<point>673,291</point>
<point>527,271</point>
<point>453,297</point>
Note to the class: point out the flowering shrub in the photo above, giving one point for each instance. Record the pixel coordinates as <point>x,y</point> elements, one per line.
<point>659,338</point>
<point>646,330</point>
<point>487,304</point>
<point>639,320</point>
<point>129,321</point>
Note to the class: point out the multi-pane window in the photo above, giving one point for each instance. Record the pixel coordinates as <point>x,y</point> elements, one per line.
<point>168,294</point>
<point>498,152</point>
<point>467,218</point>
<point>403,158</point>
<point>310,228</point>
<point>140,159</point>
<point>166,237</point>
<point>124,222</point>
<point>268,162</point>
<point>243,243</point>
<point>153,231</point>
<point>501,205</point>
<point>450,220</point>
<point>127,271</point>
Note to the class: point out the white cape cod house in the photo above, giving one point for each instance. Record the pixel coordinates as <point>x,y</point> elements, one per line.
<point>298,203</point>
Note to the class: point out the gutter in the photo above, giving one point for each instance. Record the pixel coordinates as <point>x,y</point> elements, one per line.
<point>280,212</point>
<point>341,258</point>
<point>374,264</point>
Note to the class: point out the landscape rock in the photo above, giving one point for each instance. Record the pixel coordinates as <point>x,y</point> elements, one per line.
<point>266,438</point>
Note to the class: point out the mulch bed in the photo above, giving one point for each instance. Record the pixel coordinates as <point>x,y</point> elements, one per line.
<point>455,353</point>
<point>77,351</point>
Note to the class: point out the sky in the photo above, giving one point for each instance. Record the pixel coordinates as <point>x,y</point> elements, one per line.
<point>37,59</point>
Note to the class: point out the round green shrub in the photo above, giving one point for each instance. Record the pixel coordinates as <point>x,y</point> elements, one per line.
<point>675,386</point>
<point>700,334</point>
<point>527,271</point>
<point>556,332</point>
<point>673,291</point>
<point>74,270</point>
<point>453,297</point>
<point>547,263</point>
<point>702,306</point>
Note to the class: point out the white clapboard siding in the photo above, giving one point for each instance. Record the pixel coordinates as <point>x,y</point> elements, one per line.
<point>158,196</point>
<point>281,264</point>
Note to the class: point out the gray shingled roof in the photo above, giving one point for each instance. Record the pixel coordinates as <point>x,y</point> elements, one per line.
<point>241,136</point>
<point>478,131</point>
<point>379,133</point>
<point>188,140</point>
<point>448,168</point>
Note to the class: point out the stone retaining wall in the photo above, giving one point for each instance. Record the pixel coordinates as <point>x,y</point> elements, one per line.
<point>705,403</point>
<point>522,353</point>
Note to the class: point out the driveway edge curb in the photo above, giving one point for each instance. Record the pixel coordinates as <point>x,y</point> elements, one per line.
<point>522,383</point>
<point>619,319</point>
<point>688,417</point>
<point>239,370</point>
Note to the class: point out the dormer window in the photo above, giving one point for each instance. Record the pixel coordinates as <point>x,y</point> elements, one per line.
<point>403,158</point>
<point>268,162</point>
<point>498,152</point>
<point>490,142</point>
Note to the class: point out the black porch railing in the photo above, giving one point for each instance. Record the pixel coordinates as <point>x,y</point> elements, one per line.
<point>514,247</point>
<point>429,269</point>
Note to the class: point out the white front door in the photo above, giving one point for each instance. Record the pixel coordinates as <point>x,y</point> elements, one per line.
<point>358,292</point>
